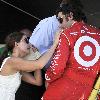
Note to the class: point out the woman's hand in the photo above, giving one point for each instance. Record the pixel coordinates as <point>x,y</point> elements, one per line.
<point>57,36</point>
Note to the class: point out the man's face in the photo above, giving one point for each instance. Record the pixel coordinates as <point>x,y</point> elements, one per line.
<point>64,20</point>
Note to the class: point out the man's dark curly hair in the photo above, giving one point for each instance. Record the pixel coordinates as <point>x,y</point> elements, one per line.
<point>78,14</point>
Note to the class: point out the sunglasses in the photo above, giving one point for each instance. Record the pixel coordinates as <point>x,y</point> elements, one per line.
<point>60,20</point>
<point>27,40</point>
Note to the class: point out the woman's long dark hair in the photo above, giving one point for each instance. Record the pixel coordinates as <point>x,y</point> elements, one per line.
<point>10,44</point>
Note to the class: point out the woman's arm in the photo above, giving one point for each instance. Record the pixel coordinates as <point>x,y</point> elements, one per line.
<point>34,80</point>
<point>25,65</point>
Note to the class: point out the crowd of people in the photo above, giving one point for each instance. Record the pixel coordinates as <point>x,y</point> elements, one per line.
<point>69,57</point>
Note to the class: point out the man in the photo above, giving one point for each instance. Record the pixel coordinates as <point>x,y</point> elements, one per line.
<point>43,35</point>
<point>76,61</point>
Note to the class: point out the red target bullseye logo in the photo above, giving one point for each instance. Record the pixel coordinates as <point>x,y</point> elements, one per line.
<point>86,51</point>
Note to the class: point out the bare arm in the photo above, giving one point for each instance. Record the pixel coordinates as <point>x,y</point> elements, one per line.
<point>25,65</point>
<point>20,64</point>
<point>34,80</point>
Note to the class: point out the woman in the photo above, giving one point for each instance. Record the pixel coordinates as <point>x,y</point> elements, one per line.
<point>11,67</point>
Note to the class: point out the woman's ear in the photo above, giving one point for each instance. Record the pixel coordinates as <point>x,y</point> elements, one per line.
<point>16,44</point>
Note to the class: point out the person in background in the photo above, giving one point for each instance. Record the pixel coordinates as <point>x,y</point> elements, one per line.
<point>43,35</point>
<point>27,32</point>
<point>2,47</point>
<point>76,61</point>
<point>14,68</point>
